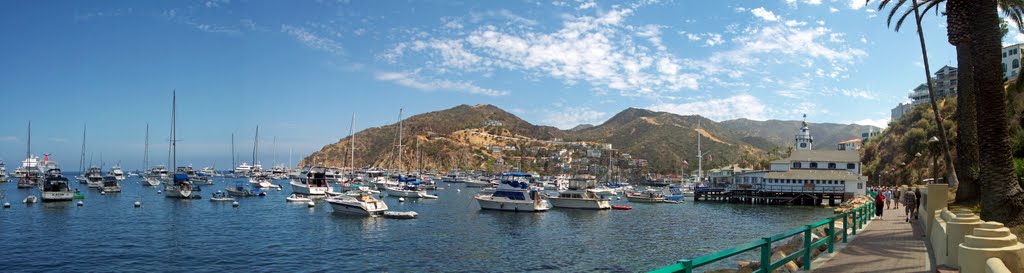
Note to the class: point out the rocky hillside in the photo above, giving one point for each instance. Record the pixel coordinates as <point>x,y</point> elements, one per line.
<point>484,136</point>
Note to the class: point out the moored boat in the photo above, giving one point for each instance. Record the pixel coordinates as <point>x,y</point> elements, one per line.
<point>579,195</point>
<point>514,194</point>
<point>647,196</point>
<point>111,184</point>
<point>360,204</point>
<point>314,182</point>
<point>55,187</point>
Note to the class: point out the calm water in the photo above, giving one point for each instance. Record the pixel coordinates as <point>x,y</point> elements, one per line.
<point>451,234</point>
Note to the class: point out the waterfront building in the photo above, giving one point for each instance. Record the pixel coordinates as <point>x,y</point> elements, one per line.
<point>945,84</point>
<point>726,175</point>
<point>1011,62</point>
<point>850,145</point>
<point>900,109</point>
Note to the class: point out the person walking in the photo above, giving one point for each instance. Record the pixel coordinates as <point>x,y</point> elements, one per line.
<point>887,193</point>
<point>917,195</point>
<point>909,203</point>
<point>896,201</point>
<point>879,205</point>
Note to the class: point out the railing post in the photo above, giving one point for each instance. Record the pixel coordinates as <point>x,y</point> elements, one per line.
<point>766,254</point>
<point>831,234</point>
<point>687,266</point>
<point>807,246</point>
<point>854,220</point>
<point>846,225</point>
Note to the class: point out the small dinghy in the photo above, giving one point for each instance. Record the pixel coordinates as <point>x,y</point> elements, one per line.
<point>298,198</point>
<point>671,201</point>
<point>30,199</point>
<point>622,207</point>
<point>400,214</point>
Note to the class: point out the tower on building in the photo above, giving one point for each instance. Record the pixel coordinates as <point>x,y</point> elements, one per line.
<point>804,139</point>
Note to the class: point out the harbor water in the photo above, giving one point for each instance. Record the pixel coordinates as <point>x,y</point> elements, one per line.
<point>451,234</point>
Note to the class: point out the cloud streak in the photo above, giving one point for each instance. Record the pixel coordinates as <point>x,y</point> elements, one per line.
<point>413,81</point>
<point>313,40</point>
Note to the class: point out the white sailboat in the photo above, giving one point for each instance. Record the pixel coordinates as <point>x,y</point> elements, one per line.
<point>259,178</point>
<point>407,187</point>
<point>31,174</point>
<point>179,186</point>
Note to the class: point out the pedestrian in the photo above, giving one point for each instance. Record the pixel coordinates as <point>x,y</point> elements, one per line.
<point>909,203</point>
<point>896,201</point>
<point>879,205</point>
<point>887,193</point>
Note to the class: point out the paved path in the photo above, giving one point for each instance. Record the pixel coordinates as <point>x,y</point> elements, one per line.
<point>887,245</point>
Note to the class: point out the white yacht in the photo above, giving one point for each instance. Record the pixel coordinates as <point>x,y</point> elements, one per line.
<point>360,204</point>
<point>278,172</point>
<point>154,176</point>
<point>111,184</point>
<point>209,171</point>
<point>646,196</point>
<point>477,182</point>
<point>243,170</point>
<point>31,174</point>
<point>314,182</point>
<point>55,187</point>
<point>3,172</point>
<point>514,194</point>
<point>262,180</point>
<point>410,189</point>
<point>117,173</point>
<point>19,172</point>
<point>94,177</point>
<point>579,195</point>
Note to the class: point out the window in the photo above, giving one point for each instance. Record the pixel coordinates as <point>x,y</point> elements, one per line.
<point>831,165</point>
<point>851,166</point>
<point>1004,67</point>
<point>1004,54</point>
<point>814,165</point>
<point>1015,63</point>
<point>803,145</point>
<point>796,165</point>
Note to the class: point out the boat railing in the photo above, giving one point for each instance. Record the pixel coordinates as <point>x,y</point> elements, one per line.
<point>858,216</point>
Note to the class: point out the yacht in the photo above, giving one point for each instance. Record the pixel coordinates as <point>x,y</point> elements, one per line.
<point>313,183</point>
<point>3,172</point>
<point>94,177</point>
<point>477,182</point>
<point>646,196</point>
<point>19,172</point>
<point>361,203</point>
<point>262,180</point>
<point>409,188</point>
<point>240,191</point>
<point>197,178</point>
<point>514,194</point>
<point>179,185</point>
<point>111,184</point>
<point>154,176</point>
<point>580,195</point>
<point>30,173</point>
<point>117,173</point>
<point>209,171</point>
<point>278,173</point>
<point>243,170</point>
<point>55,187</point>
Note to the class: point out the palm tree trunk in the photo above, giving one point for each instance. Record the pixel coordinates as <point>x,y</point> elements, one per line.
<point>1001,196</point>
<point>950,171</point>
<point>966,128</point>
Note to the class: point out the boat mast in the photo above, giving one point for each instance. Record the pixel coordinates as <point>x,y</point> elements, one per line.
<point>400,142</point>
<point>81,161</point>
<point>174,133</point>
<point>700,157</point>
<point>28,153</point>
<point>233,151</point>
<point>145,156</point>
<point>256,146</point>
<point>275,151</point>
<point>352,151</point>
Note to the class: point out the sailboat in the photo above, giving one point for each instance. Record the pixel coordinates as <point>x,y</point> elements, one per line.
<point>259,178</point>
<point>151,177</point>
<point>81,161</point>
<point>358,202</point>
<point>407,187</point>
<point>179,186</point>
<point>30,166</point>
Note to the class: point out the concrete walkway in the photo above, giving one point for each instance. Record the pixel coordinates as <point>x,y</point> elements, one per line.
<point>887,245</point>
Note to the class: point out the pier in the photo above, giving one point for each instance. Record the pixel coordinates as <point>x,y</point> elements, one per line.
<point>773,195</point>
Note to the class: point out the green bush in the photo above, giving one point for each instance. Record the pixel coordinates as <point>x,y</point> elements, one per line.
<point>1018,165</point>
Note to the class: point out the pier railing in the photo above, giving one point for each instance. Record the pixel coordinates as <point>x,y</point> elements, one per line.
<point>859,217</point>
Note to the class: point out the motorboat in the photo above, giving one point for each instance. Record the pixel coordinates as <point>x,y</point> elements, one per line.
<point>3,172</point>
<point>243,170</point>
<point>477,182</point>
<point>94,177</point>
<point>209,171</point>
<point>116,172</point>
<point>278,172</point>
<point>314,182</point>
<point>196,177</point>
<point>31,174</point>
<point>262,181</point>
<point>400,214</point>
<point>646,196</point>
<point>579,196</point>
<point>220,196</point>
<point>360,204</point>
<point>111,184</point>
<point>298,198</point>
<point>241,191</point>
<point>409,189</point>
<point>55,187</point>
<point>514,194</point>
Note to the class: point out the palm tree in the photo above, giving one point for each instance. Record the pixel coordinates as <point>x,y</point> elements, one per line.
<point>951,177</point>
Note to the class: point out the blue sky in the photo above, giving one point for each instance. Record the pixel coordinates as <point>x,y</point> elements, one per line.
<point>299,70</point>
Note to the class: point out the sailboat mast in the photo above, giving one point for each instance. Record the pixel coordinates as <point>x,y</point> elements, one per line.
<point>81,161</point>
<point>352,138</point>
<point>233,150</point>
<point>28,153</point>
<point>700,157</point>
<point>256,146</point>
<point>400,142</point>
<point>174,131</point>
<point>145,156</point>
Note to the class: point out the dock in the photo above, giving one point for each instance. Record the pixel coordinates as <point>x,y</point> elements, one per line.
<point>773,195</point>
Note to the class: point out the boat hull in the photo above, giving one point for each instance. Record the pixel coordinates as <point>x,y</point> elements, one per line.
<point>357,209</point>
<point>307,190</point>
<point>490,203</point>
<point>409,194</point>
<point>177,192</point>
<point>644,199</point>
<point>579,203</point>
<point>55,196</point>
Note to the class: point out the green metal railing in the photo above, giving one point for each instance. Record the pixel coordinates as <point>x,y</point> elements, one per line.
<point>859,215</point>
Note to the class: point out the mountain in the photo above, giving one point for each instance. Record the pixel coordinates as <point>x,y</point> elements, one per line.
<point>782,132</point>
<point>487,137</point>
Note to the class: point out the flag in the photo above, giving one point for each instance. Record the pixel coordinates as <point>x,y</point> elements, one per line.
<point>686,164</point>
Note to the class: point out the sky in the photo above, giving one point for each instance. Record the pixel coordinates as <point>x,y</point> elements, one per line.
<point>300,70</point>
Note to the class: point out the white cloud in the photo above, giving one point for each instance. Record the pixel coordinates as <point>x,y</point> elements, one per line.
<point>856,4</point>
<point>713,39</point>
<point>832,10</point>
<point>813,2</point>
<point>738,106</point>
<point>791,3</point>
<point>569,117</point>
<point>693,37</point>
<point>586,5</point>
<point>880,123</point>
<point>859,94</point>
<point>312,40</point>
<point>411,80</point>
<point>765,14</point>
<point>653,34</point>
